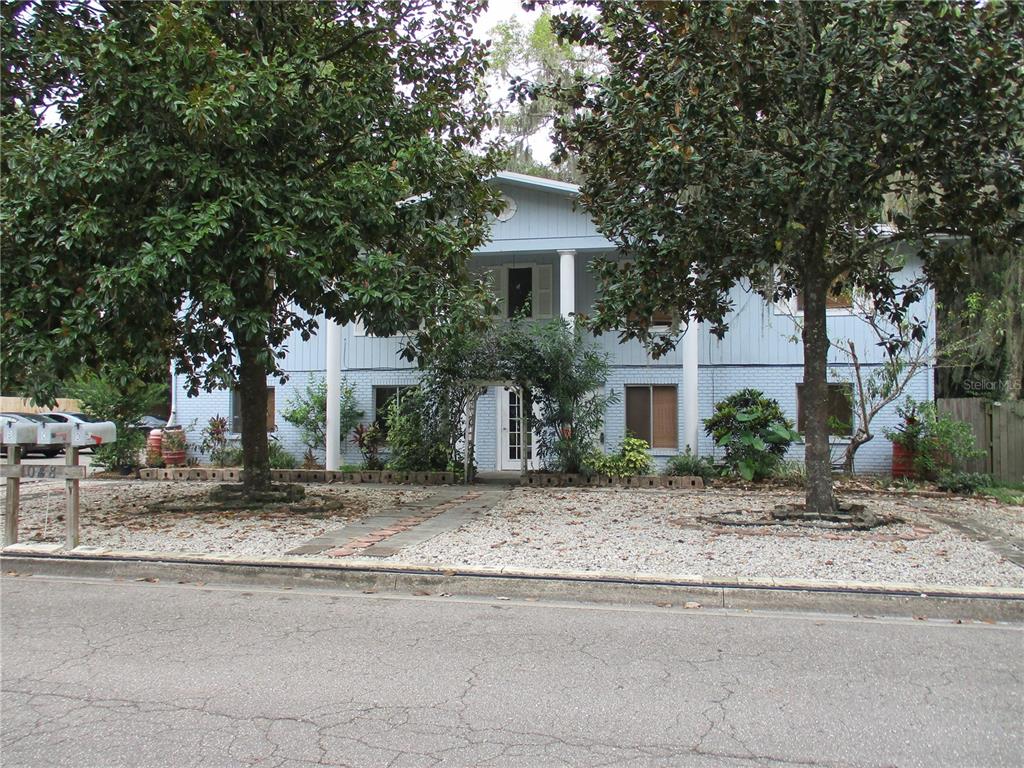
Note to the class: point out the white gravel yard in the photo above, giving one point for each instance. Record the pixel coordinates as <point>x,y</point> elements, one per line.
<point>658,532</point>
<point>128,515</point>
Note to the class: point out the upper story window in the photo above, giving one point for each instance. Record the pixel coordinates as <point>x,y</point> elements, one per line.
<point>523,289</point>
<point>838,301</point>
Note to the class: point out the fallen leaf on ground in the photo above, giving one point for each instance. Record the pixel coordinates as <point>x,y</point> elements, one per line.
<point>691,604</point>
<point>421,593</point>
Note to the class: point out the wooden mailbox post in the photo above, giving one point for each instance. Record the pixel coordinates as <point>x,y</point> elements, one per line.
<point>73,437</point>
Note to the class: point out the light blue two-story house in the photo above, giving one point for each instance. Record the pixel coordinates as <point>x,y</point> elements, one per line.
<point>538,259</point>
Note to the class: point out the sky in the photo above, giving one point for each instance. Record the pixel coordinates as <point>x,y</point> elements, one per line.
<point>502,10</point>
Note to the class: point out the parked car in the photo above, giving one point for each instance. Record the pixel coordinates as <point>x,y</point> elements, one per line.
<point>73,417</point>
<point>146,423</point>
<point>49,451</point>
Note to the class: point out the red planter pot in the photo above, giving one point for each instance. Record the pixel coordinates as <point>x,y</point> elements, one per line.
<point>902,461</point>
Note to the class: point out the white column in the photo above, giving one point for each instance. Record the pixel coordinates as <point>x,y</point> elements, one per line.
<point>172,417</point>
<point>567,283</point>
<point>333,395</point>
<point>691,413</point>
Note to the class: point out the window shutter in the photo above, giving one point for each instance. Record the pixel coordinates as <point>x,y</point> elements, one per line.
<point>236,412</point>
<point>271,410</point>
<point>663,418</point>
<point>495,277</point>
<point>542,290</point>
<point>638,412</point>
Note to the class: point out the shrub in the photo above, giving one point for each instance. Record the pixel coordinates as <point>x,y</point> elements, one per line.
<point>754,432</point>
<point>962,482</point>
<point>417,441</point>
<point>278,457</point>
<point>936,439</point>
<point>632,459</point>
<point>791,472</point>
<point>369,439</point>
<point>307,410</point>
<point>689,465</point>
<point>566,377</point>
<point>123,399</point>
<point>215,441</point>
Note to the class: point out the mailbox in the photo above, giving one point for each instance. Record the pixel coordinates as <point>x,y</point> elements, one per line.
<point>93,433</point>
<point>54,434</point>
<point>18,432</point>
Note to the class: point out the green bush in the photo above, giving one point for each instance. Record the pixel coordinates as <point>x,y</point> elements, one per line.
<point>631,460</point>
<point>278,457</point>
<point>566,376</point>
<point>690,465</point>
<point>307,410</point>
<point>417,441</point>
<point>936,439</point>
<point>962,482</point>
<point>791,472</point>
<point>123,399</point>
<point>754,432</point>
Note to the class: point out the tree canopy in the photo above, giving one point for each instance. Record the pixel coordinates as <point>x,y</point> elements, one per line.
<point>790,146</point>
<point>217,174</point>
<point>532,53</point>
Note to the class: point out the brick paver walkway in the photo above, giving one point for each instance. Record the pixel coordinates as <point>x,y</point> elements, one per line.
<point>404,525</point>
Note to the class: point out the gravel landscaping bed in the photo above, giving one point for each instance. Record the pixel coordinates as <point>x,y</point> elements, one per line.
<point>659,532</point>
<point>127,515</point>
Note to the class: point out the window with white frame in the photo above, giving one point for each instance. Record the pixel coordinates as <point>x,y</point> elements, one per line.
<point>236,411</point>
<point>651,414</point>
<point>382,399</point>
<point>840,409</point>
<point>522,288</point>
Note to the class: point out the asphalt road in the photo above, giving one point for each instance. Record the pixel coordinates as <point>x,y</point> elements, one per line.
<point>154,674</point>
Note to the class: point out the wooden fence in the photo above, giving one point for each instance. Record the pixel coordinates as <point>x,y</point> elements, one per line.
<point>999,429</point>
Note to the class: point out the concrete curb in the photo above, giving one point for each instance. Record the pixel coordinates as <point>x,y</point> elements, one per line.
<point>931,601</point>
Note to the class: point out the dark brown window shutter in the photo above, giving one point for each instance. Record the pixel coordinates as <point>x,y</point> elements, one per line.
<point>664,417</point>
<point>638,412</point>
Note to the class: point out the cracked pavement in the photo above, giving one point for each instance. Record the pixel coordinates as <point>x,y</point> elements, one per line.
<point>114,673</point>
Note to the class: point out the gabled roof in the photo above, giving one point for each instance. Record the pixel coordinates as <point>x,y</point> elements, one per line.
<point>536,182</point>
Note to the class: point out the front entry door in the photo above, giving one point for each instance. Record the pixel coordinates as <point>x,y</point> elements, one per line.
<point>510,424</point>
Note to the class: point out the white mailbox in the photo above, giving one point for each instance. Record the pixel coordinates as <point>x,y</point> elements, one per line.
<point>54,434</point>
<point>16,431</point>
<point>93,433</point>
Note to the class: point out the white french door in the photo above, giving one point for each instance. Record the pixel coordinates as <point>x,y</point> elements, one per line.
<point>510,426</point>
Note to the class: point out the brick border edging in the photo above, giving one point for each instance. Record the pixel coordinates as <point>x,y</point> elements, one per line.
<point>234,474</point>
<point>905,600</point>
<point>556,480</point>
<point>393,477</point>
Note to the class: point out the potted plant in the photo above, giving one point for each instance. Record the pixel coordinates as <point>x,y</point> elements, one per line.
<point>173,446</point>
<point>906,441</point>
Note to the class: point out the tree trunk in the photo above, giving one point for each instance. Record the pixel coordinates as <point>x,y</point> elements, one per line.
<point>1014,338</point>
<point>818,456</point>
<point>252,394</point>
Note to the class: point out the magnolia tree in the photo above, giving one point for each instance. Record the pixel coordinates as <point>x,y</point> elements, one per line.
<point>792,144</point>
<point>222,173</point>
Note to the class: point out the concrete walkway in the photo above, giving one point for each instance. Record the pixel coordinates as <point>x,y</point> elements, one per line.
<point>406,524</point>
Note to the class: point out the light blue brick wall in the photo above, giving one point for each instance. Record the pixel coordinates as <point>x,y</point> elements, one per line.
<point>779,382</point>
<point>715,383</point>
